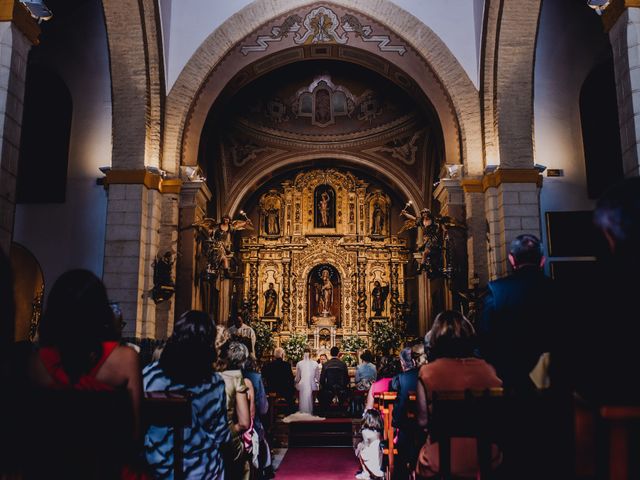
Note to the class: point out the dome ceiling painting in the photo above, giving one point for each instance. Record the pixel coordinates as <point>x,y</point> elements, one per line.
<point>323,107</point>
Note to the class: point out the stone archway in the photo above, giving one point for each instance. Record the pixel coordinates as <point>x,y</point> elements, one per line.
<point>438,72</point>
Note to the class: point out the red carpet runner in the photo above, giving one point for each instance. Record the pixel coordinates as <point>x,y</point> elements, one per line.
<point>320,463</point>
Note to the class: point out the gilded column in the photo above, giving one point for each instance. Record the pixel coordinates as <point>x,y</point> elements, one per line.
<point>286,294</point>
<point>395,292</point>
<point>253,286</point>
<point>362,294</point>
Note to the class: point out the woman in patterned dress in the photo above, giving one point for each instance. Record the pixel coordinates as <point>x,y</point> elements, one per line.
<point>186,365</point>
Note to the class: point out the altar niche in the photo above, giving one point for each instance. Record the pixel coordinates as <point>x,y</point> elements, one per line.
<point>325,207</point>
<point>324,296</point>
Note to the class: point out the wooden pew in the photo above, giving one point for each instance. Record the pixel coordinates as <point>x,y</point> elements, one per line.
<point>471,414</point>
<point>385,403</point>
<point>621,424</point>
<point>169,409</point>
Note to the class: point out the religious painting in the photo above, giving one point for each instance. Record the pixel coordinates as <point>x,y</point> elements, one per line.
<point>324,293</point>
<point>325,207</point>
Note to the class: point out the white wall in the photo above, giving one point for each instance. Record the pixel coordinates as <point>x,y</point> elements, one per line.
<point>570,41</point>
<point>189,22</point>
<point>71,234</point>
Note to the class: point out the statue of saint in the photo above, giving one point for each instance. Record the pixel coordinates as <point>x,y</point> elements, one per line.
<point>378,297</point>
<point>270,206</point>
<point>323,206</point>
<point>270,301</point>
<point>378,219</point>
<point>324,294</point>
<point>272,221</point>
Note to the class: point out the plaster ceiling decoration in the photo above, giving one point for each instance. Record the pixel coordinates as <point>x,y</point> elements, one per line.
<point>321,25</point>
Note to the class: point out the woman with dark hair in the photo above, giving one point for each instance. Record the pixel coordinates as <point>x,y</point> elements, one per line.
<point>389,368</point>
<point>186,365</point>
<point>240,408</point>
<point>77,347</point>
<point>366,371</point>
<point>453,367</point>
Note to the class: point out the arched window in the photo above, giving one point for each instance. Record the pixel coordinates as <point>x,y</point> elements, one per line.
<point>44,142</point>
<point>600,129</point>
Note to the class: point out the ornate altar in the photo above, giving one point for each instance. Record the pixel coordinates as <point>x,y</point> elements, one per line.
<point>323,247</point>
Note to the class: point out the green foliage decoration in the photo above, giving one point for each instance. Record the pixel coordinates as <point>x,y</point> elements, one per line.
<point>264,337</point>
<point>294,347</point>
<point>385,337</point>
<point>353,343</point>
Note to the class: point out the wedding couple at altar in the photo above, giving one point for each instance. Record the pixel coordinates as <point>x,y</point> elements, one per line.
<point>332,379</point>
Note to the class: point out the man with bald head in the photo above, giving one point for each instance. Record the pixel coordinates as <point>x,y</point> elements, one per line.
<point>278,378</point>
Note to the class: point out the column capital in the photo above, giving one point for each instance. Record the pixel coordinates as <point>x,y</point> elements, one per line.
<point>151,180</point>
<point>499,176</point>
<point>615,10</point>
<point>16,12</point>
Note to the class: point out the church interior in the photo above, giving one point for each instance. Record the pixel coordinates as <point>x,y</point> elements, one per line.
<point>300,239</point>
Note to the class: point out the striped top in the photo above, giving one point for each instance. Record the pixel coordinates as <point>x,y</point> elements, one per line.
<point>202,441</point>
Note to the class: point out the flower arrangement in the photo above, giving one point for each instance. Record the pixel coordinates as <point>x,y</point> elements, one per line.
<point>294,347</point>
<point>353,343</point>
<point>349,359</point>
<point>385,337</point>
<point>264,337</point>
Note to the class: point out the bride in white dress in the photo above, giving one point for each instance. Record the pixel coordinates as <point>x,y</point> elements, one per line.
<point>307,378</point>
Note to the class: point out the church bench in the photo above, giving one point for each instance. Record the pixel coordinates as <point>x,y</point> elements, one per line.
<point>169,409</point>
<point>472,414</point>
<point>385,402</point>
<point>620,425</point>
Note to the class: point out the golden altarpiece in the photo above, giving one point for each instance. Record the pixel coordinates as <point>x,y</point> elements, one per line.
<point>323,244</point>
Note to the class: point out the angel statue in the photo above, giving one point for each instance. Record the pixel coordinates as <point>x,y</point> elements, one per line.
<point>434,232</point>
<point>216,242</point>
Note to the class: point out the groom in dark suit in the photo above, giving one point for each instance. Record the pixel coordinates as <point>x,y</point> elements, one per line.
<point>334,380</point>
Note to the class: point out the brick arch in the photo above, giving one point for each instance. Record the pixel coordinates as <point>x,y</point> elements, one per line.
<point>436,70</point>
<point>393,177</point>
<point>137,89</point>
<point>509,44</point>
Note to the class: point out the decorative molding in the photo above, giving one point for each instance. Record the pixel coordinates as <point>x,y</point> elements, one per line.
<point>152,181</point>
<point>472,185</point>
<point>615,10</point>
<point>16,12</point>
<point>320,27</point>
<point>511,175</point>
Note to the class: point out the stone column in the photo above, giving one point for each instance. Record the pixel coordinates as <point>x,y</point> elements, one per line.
<point>134,211</point>
<point>18,31</point>
<point>194,197</point>
<point>622,20</point>
<point>450,196</point>
<point>512,208</point>
<point>169,220</point>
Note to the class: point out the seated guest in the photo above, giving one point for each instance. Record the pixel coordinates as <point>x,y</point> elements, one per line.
<point>278,378</point>
<point>186,365</point>
<point>366,371</point>
<point>322,359</point>
<point>233,355</point>
<point>389,368</point>
<point>454,368</point>
<point>404,383</point>
<point>263,457</point>
<point>368,451</point>
<point>78,351</point>
<point>334,380</point>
